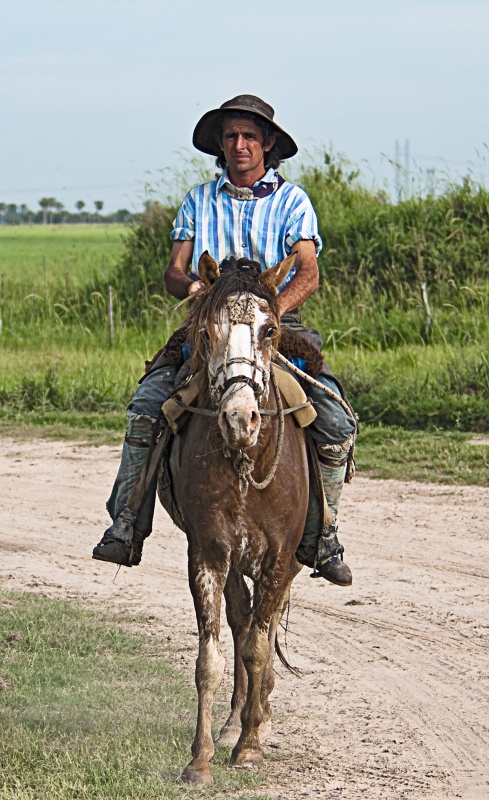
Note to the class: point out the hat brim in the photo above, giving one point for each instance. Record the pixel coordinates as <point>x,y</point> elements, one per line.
<point>204,137</point>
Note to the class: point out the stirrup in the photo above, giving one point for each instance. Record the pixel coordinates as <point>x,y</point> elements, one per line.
<point>113,550</point>
<point>117,544</point>
<point>329,563</point>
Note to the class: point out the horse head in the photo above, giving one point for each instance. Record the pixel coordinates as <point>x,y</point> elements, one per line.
<point>235,329</point>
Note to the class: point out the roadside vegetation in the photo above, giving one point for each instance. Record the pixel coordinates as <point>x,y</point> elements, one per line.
<point>89,710</point>
<point>403,307</point>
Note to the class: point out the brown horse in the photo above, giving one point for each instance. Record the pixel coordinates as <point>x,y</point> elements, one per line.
<point>242,489</point>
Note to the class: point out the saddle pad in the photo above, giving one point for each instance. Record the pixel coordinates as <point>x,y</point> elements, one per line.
<point>188,394</point>
<point>294,395</point>
<point>290,388</point>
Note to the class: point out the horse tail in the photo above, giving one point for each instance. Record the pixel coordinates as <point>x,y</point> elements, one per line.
<point>283,660</point>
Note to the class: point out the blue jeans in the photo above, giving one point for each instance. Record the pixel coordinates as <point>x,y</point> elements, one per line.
<point>142,413</point>
<point>332,426</point>
<point>331,430</point>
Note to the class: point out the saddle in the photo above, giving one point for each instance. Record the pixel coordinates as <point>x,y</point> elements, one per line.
<point>193,386</point>
<point>177,415</point>
<point>189,387</point>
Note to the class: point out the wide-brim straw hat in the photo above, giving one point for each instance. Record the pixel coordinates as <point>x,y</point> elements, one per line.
<point>204,138</point>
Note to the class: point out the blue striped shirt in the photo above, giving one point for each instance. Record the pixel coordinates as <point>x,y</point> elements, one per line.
<point>263,229</point>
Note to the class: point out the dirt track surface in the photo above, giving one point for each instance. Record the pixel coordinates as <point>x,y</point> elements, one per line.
<point>393,702</point>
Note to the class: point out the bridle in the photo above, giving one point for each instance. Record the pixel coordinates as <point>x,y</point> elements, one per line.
<point>241,311</point>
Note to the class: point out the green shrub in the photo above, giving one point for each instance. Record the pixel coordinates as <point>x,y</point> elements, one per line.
<point>139,275</point>
<point>367,236</point>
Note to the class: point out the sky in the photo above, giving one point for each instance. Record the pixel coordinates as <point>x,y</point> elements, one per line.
<point>99,97</point>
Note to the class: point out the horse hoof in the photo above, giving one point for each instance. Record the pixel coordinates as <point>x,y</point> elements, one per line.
<point>198,778</point>
<point>247,758</point>
<point>227,737</point>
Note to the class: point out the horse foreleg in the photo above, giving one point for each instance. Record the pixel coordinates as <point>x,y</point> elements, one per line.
<point>238,613</point>
<point>206,585</point>
<point>255,653</point>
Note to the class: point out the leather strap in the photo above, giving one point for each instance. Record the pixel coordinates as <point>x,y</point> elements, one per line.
<point>264,412</point>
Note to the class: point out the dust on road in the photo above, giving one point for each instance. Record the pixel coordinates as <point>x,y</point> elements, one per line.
<point>393,702</point>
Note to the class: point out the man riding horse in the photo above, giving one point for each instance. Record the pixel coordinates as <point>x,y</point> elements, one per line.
<point>250,211</point>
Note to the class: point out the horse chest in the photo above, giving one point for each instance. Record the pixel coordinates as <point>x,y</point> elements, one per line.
<point>249,547</point>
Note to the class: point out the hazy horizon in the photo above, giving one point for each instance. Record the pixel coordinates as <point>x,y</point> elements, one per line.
<point>98,97</point>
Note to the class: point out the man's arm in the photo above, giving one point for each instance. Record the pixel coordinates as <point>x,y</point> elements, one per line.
<point>177,282</point>
<point>305,281</point>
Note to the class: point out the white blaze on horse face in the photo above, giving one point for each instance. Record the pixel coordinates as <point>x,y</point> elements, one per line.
<point>235,347</point>
<point>238,355</point>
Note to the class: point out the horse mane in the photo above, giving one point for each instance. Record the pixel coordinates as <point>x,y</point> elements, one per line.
<point>238,276</point>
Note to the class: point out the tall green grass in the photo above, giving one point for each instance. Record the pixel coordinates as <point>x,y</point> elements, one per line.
<point>425,238</point>
<point>39,258</point>
<point>400,363</point>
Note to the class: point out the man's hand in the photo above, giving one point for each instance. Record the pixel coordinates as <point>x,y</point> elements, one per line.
<point>305,281</point>
<point>177,282</point>
<point>194,287</point>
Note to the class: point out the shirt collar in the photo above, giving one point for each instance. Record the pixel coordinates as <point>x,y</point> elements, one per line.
<point>262,188</point>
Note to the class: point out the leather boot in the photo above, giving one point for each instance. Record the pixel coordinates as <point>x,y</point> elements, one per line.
<point>122,542</point>
<point>116,543</point>
<point>320,548</point>
<point>329,562</point>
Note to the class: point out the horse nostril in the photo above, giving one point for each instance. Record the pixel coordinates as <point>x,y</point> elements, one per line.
<point>254,417</point>
<point>223,419</point>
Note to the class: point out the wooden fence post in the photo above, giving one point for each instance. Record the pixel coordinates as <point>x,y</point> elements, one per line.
<point>427,309</point>
<point>2,289</point>
<point>111,318</point>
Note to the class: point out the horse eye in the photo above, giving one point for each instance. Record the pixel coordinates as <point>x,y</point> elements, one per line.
<point>269,332</point>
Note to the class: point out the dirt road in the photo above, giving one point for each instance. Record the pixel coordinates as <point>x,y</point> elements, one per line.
<point>393,702</point>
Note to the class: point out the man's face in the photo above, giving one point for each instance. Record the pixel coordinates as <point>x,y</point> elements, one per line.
<point>244,150</point>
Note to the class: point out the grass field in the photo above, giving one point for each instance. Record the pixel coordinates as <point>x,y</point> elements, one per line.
<point>418,404</point>
<point>91,711</point>
<point>39,255</point>
<point>30,250</point>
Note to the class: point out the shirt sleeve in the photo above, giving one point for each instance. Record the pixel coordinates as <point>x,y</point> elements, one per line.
<point>303,224</point>
<point>184,222</point>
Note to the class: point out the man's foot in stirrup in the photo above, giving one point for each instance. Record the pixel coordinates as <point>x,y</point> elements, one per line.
<point>118,544</point>
<point>113,550</point>
<point>118,553</point>
<point>335,571</point>
<point>329,559</point>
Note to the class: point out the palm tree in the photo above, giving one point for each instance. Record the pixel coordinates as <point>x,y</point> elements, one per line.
<point>47,203</point>
<point>25,213</point>
<point>59,208</point>
<point>80,205</point>
<point>99,204</point>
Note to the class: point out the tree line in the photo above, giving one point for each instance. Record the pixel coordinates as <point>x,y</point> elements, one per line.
<point>53,212</point>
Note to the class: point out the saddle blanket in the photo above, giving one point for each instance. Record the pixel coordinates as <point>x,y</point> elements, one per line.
<point>292,392</point>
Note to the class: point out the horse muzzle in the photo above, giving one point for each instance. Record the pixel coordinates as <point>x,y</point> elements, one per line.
<point>239,421</point>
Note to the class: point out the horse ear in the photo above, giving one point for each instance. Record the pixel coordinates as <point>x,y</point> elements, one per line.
<point>272,278</point>
<point>209,271</point>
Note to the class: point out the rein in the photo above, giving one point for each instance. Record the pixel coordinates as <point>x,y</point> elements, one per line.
<point>264,412</point>
<point>241,312</point>
<point>343,403</point>
<point>244,464</point>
